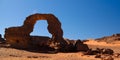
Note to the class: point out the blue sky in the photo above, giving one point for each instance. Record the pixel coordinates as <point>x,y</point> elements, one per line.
<point>81,19</point>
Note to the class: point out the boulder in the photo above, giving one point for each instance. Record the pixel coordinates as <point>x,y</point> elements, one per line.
<point>108,51</point>
<point>80,46</point>
<point>69,48</point>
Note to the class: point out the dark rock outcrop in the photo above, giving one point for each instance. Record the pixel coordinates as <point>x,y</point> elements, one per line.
<point>108,51</point>
<point>1,39</point>
<point>75,46</point>
<point>100,51</point>
<point>104,54</point>
<point>80,46</point>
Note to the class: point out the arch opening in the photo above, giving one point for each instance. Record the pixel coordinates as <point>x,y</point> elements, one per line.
<point>40,29</point>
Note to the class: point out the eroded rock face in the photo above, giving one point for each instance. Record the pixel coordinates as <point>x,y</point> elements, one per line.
<point>39,41</point>
<point>19,37</point>
<point>1,39</point>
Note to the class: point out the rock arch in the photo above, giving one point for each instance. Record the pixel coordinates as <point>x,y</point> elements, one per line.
<point>20,36</point>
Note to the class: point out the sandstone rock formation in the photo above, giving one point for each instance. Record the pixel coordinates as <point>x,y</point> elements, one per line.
<point>19,37</point>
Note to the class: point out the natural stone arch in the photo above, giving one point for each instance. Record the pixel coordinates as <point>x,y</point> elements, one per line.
<point>54,26</point>
<point>20,36</point>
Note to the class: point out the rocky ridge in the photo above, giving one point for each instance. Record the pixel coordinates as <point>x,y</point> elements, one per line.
<point>109,39</point>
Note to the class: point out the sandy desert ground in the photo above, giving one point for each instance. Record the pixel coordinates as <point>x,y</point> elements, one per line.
<point>15,54</point>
